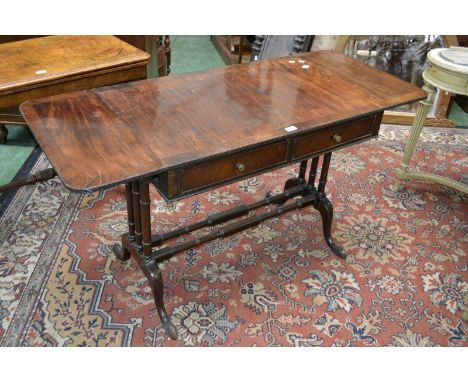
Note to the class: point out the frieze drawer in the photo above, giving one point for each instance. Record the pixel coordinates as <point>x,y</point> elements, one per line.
<point>191,179</point>
<point>340,135</point>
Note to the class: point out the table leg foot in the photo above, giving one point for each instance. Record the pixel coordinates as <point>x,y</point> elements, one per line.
<point>324,206</point>
<point>121,252</point>
<point>156,283</point>
<point>3,134</point>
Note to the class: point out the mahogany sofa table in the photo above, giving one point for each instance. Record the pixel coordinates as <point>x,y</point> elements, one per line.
<point>189,133</point>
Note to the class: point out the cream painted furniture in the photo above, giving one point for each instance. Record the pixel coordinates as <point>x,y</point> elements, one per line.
<point>447,71</point>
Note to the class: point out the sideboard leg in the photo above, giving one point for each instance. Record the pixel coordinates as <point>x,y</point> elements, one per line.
<point>3,134</point>
<point>156,282</point>
<point>324,206</point>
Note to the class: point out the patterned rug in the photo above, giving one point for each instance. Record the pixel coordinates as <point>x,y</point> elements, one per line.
<point>278,284</point>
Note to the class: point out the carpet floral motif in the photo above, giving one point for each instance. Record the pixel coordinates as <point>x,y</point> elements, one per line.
<point>202,323</point>
<point>404,282</point>
<point>338,290</point>
<point>447,291</point>
<point>375,237</point>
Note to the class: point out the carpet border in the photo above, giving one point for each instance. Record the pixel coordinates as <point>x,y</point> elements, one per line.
<point>25,169</point>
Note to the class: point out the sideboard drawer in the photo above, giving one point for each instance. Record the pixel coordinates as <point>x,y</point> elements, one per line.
<point>232,167</point>
<point>340,135</point>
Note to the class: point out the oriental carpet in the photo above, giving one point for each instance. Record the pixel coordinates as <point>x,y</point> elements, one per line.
<point>403,283</point>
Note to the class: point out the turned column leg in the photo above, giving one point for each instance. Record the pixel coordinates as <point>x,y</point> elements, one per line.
<point>324,172</point>
<point>302,170</point>
<point>313,172</point>
<point>137,213</point>
<point>418,123</point>
<point>145,218</point>
<point>323,204</point>
<point>120,250</point>
<point>3,134</point>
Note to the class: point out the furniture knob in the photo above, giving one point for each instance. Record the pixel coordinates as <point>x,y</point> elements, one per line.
<point>337,138</point>
<point>240,167</point>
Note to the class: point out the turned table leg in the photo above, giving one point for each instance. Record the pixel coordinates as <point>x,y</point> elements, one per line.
<point>121,251</point>
<point>313,172</point>
<point>3,134</point>
<point>418,123</point>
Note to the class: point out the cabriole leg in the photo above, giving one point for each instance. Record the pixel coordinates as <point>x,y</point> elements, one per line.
<point>157,286</point>
<point>323,204</point>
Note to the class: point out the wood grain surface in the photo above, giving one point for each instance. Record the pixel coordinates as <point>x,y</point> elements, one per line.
<point>100,137</point>
<point>38,60</point>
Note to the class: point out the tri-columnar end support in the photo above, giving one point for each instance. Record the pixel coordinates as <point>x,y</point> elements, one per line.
<point>138,242</point>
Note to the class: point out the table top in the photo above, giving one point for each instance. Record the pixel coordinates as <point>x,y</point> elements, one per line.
<point>454,59</point>
<point>110,135</point>
<point>30,63</point>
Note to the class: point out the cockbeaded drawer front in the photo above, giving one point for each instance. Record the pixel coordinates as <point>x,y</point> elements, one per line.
<point>214,172</point>
<point>194,178</point>
<point>339,135</point>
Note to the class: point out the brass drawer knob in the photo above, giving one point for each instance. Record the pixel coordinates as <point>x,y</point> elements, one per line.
<point>240,167</point>
<point>337,138</point>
